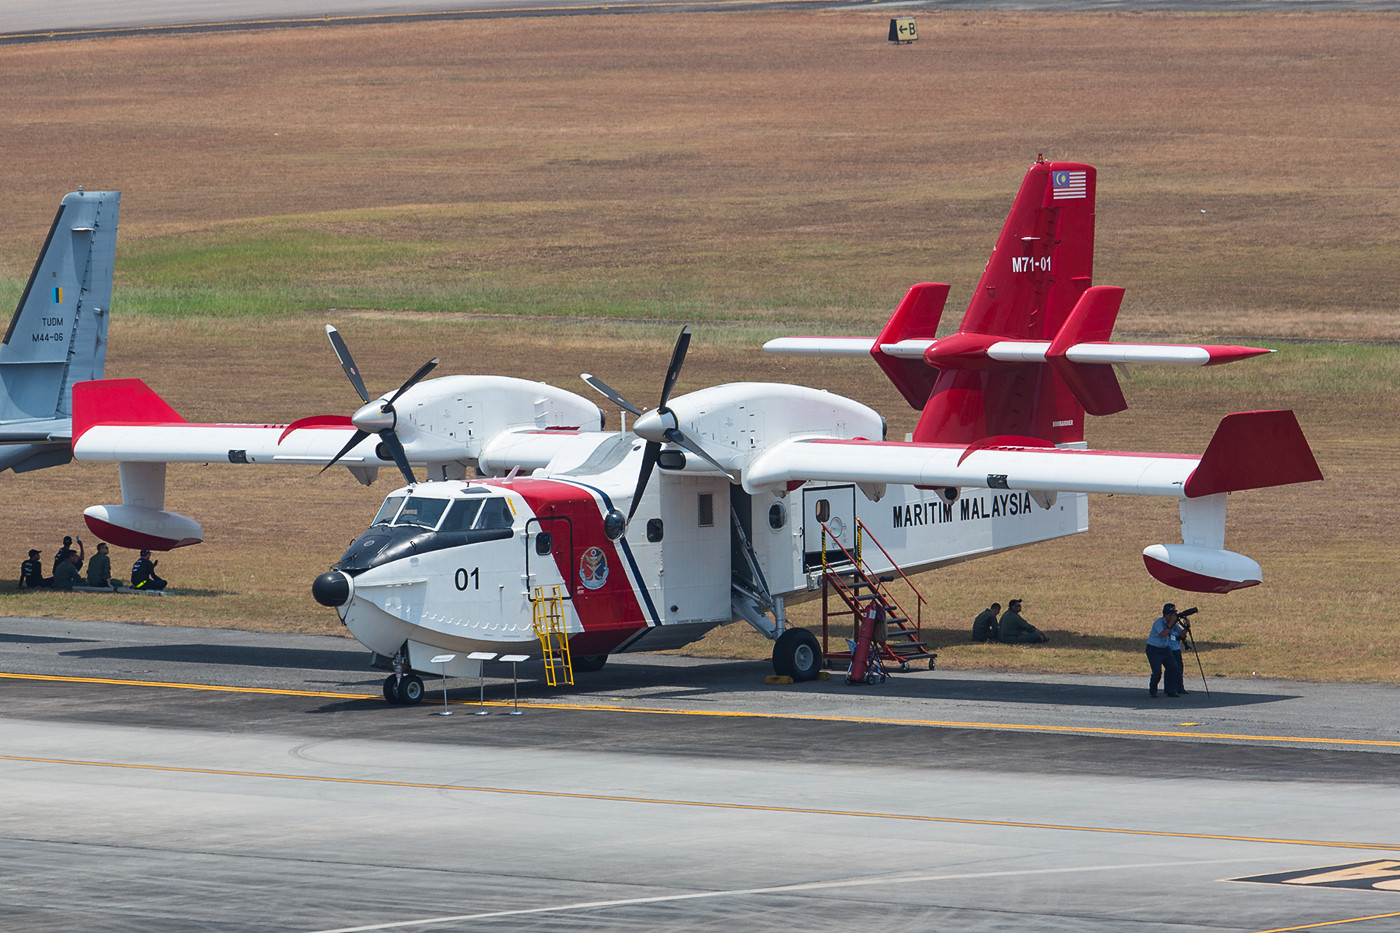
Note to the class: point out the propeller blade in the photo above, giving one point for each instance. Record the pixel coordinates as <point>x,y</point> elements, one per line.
<point>413,380</point>
<point>391,441</point>
<point>602,388</point>
<point>347,363</point>
<point>677,360</point>
<point>354,439</point>
<point>649,457</point>
<point>676,437</point>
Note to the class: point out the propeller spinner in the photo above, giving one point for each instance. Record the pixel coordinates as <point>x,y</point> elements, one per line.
<point>659,425</point>
<point>378,416</point>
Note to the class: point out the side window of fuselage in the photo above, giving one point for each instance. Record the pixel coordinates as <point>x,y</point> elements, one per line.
<point>495,513</point>
<point>706,509</point>
<point>461,515</point>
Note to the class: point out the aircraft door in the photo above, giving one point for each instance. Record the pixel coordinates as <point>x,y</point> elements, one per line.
<point>834,507</point>
<point>549,545</point>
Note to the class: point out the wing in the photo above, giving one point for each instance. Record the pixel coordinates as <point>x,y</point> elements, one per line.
<point>1250,450</point>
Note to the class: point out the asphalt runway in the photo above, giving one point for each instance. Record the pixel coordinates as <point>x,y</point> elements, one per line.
<point>174,779</point>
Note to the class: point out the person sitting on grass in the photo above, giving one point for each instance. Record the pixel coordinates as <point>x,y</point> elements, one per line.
<point>143,573</point>
<point>100,568</point>
<point>31,572</point>
<point>984,627</point>
<point>1016,630</point>
<point>69,573</point>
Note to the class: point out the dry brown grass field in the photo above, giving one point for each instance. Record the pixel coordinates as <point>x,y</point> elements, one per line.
<point>547,196</point>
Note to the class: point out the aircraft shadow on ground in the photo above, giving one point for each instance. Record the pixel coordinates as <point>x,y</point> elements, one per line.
<point>671,683</point>
<point>1064,638</point>
<point>41,639</point>
<point>236,655</point>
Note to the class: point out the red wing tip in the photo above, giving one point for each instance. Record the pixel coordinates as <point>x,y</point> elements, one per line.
<point>1229,354</point>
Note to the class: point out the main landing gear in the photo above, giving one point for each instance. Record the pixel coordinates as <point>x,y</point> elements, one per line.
<point>406,689</point>
<point>797,654</point>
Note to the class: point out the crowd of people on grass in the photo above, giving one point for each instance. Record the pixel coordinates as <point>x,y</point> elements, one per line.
<point>68,569</point>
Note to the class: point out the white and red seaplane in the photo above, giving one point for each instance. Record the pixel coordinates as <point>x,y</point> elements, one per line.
<point>730,502</point>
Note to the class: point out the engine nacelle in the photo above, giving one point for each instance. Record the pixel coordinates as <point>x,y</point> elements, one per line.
<point>1200,569</point>
<point>140,528</point>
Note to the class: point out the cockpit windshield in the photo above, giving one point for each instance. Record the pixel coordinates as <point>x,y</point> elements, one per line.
<point>476,514</point>
<point>420,511</point>
<point>388,510</point>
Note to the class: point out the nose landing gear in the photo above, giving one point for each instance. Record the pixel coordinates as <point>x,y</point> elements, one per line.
<point>406,689</point>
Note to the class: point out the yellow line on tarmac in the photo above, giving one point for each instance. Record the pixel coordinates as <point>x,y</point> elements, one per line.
<point>1330,923</point>
<point>179,686</point>
<point>703,804</point>
<point>104,32</point>
<point>734,714</point>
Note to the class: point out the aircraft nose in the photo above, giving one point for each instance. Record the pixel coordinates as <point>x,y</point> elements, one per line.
<point>331,589</point>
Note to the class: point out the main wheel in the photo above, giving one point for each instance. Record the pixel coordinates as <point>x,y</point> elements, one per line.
<point>588,663</point>
<point>797,654</point>
<point>391,688</point>
<point>411,689</point>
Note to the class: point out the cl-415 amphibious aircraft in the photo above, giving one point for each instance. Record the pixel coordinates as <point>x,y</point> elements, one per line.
<point>731,502</point>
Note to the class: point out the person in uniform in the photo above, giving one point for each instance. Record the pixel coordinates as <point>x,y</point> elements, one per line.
<point>984,627</point>
<point>100,567</point>
<point>1015,630</point>
<point>69,573</point>
<point>31,572</point>
<point>143,573</point>
<point>1164,633</point>
<point>61,556</point>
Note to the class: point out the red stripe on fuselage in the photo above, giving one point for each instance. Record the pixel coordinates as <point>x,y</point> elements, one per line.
<point>611,612</point>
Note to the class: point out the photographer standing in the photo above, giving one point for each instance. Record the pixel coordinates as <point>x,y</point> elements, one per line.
<point>1164,637</point>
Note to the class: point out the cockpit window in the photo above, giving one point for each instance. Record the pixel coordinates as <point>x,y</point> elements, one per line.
<point>495,513</point>
<point>388,510</point>
<point>461,515</point>
<point>421,511</point>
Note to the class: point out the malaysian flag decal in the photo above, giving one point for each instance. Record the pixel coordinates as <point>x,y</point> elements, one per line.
<point>1069,185</point>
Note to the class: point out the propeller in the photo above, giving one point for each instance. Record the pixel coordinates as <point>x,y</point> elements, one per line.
<point>374,417</point>
<point>659,425</point>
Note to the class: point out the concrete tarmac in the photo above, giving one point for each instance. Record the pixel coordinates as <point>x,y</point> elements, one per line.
<point>175,779</point>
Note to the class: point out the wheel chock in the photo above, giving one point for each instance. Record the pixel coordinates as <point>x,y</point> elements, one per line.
<point>777,679</point>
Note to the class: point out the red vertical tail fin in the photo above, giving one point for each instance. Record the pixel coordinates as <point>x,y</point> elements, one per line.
<point>1043,262</point>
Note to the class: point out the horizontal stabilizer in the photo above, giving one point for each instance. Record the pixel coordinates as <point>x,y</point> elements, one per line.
<point>1254,450</point>
<point>820,346</point>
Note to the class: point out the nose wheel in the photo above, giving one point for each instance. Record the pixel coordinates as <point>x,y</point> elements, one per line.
<point>404,689</point>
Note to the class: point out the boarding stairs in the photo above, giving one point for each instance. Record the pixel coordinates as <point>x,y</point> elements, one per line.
<point>850,585</point>
<point>554,638</point>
